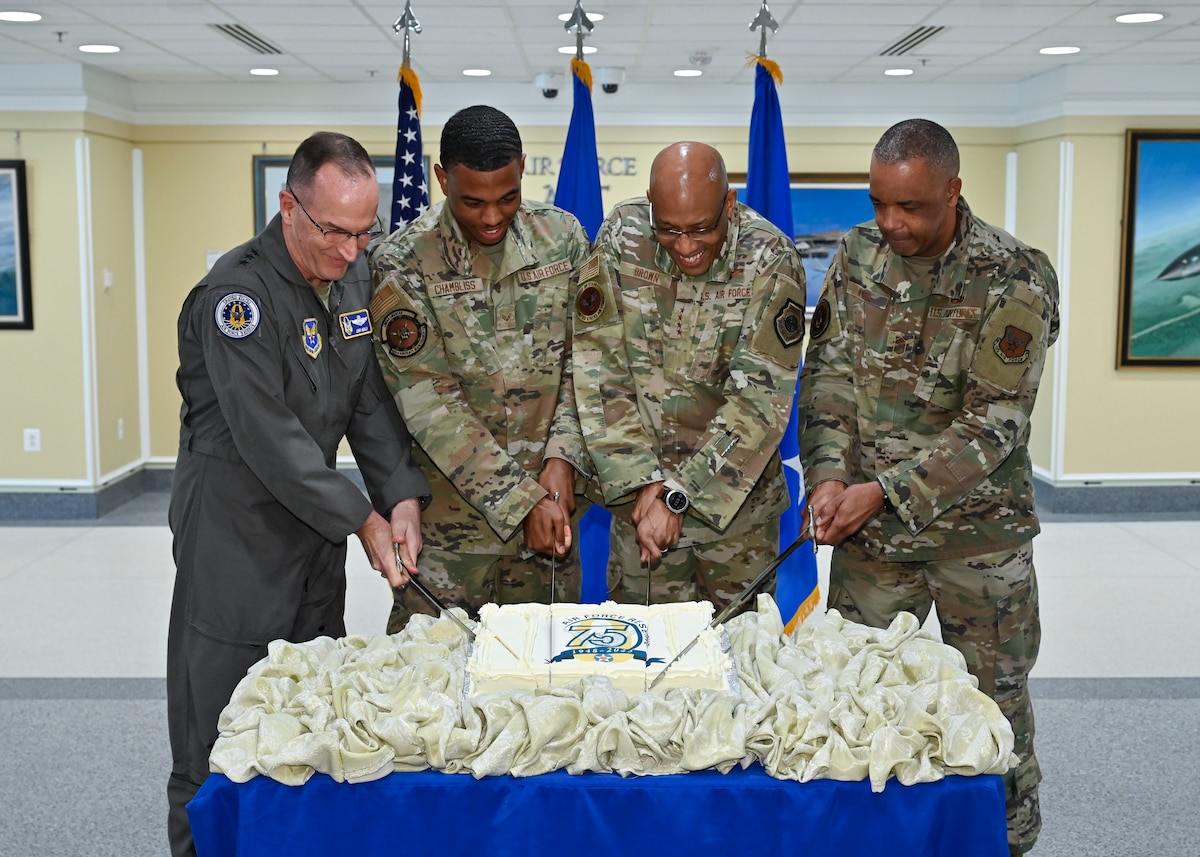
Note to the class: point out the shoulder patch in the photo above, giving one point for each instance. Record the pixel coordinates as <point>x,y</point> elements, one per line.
<point>1013,344</point>
<point>589,304</point>
<point>403,333</point>
<point>789,324</point>
<point>589,269</point>
<point>237,315</point>
<point>820,319</point>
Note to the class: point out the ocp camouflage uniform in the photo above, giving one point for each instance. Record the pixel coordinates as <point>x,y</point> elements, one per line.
<point>689,380</point>
<point>476,352</point>
<point>921,374</point>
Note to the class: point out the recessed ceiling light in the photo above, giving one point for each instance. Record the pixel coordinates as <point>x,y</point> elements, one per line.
<point>570,49</point>
<point>1139,18</point>
<point>688,72</point>
<point>99,49</point>
<point>264,72</point>
<point>1060,50</point>
<point>591,16</point>
<point>477,72</point>
<point>897,72</point>
<point>20,17</point>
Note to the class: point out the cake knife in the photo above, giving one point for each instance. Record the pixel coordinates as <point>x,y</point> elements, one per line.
<point>745,596</point>
<point>442,609</point>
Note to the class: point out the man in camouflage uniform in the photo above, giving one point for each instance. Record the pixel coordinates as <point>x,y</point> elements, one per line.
<point>471,313</point>
<point>927,346</point>
<point>689,318</point>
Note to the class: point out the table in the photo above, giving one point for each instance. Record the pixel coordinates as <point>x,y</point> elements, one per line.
<point>702,813</point>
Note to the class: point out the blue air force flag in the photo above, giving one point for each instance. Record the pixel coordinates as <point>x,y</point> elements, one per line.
<point>768,191</point>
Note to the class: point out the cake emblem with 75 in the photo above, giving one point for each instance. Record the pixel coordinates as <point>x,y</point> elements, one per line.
<point>607,639</point>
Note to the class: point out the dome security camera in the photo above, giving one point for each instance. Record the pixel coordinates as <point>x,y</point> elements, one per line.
<point>547,82</point>
<point>610,78</point>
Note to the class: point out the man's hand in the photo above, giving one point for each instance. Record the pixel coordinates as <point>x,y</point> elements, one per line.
<point>376,537</point>
<point>841,511</point>
<point>406,532</point>
<point>658,528</point>
<point>548,524</point>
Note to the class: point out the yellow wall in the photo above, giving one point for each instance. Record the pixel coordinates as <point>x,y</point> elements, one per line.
<point>199,198</point>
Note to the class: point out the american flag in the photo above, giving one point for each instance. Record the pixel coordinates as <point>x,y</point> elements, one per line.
<point>410,191</point>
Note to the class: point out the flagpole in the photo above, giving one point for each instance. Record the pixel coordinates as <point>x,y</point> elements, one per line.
<point>410,185</point>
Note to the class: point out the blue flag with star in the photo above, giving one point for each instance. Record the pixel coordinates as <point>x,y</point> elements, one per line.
<point>410,188</point>
<point>768,191</point>
<point>579,193</point>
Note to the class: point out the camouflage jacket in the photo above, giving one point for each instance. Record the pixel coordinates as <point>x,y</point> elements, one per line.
<point>923,377</point>
<point>689,380</point>
<point>478,359</point>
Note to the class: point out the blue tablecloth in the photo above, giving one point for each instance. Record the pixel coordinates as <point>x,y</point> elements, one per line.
<point>703,813</point>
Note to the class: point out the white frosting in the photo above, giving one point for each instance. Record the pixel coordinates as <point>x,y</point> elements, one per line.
<point>539,645</point>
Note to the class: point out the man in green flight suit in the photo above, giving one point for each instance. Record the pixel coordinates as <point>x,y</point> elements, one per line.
<point>927,347</point>
<point>471,313</point>
<point>689,318</point>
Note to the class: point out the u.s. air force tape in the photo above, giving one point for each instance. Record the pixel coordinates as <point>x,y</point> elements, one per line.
<point>237,315</point>
<point>404,333</point>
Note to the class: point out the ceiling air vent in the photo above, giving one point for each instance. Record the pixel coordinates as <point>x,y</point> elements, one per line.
<point>915,39</point>
<point>247,37</point>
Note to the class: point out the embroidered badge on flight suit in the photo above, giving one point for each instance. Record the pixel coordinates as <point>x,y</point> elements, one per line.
<point>312,338</point>
<point>237,315</point>
<point>355,324</point>
<point>404,333</point>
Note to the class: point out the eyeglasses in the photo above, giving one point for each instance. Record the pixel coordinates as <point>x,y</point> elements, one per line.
<point>664,234</point>
<point>338,236</point>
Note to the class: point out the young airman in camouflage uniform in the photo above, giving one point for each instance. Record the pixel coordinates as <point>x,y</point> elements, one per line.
<point>471,313</point>
<point>689,318</point>
<point>927,347</point>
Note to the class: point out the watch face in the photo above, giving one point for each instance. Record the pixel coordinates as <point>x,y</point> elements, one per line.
<point>676,501</point>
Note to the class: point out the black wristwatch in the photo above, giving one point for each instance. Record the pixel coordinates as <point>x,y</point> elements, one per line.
<point>887,501</point>
<point>676,501</point>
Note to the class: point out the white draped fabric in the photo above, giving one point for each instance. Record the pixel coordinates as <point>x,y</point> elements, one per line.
<point>835,700</point>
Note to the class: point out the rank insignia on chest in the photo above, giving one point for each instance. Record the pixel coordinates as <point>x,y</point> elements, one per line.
<point>404,333</point>
<point>237,315</point>
<point>1013,345</point>
<point>355,324</point>
<point>312,338</point>
<point>789,324</point>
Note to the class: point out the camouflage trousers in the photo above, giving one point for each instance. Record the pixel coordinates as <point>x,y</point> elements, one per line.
<point>716,572</point>
<point>987,606</point>
<point>471,580</point>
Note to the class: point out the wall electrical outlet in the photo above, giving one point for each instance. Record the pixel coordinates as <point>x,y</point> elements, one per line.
<point>33,440</point>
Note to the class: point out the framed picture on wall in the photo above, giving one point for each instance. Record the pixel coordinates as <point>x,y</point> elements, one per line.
<point>16,291</point>
<point>825,206</point>
<point>1160,260</point>
<point>270,175</point>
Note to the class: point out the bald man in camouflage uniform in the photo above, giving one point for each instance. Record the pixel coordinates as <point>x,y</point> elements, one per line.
<point>688,326</point>
<point>927,347</point>
<point>471,313</point>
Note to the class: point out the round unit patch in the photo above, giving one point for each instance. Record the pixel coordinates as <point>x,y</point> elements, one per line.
<point>589,304</point>
<point>820,318</point>
<point>404,333</point>
<point>237,315</point>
